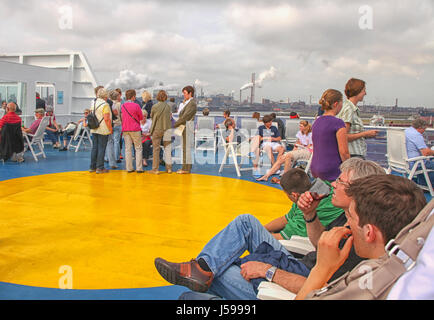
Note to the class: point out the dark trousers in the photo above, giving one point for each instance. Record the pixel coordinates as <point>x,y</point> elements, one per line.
<point>98,151</point>
<point>147,148</point>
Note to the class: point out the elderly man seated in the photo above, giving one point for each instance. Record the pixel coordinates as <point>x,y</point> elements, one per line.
<point>417,147</point>
<point>39,114</point>
<point>11,139</point>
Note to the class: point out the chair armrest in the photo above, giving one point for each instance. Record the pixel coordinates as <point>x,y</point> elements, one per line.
<point>300,245</point>
<point>272,291</point>
<point>419,158</point>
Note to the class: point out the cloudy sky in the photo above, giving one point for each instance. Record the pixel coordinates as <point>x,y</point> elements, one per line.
<point>305,46</point>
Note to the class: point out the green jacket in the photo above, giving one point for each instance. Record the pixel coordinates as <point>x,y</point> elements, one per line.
<point>187,114</point>
<point>161,117</point>
<point>296,225</point>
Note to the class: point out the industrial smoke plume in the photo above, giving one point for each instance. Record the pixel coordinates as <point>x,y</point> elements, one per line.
<point>266,75</point>
<point>130,80</point>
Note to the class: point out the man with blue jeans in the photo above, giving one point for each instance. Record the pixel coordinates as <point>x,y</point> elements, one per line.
<point>215,272</point>
<point>417,147</point>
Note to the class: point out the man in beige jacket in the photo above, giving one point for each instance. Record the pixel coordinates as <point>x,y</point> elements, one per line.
<point>161,124</point>
<point>186,116</point>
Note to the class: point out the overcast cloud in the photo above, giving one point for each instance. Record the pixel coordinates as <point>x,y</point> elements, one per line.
<point>310,45</point>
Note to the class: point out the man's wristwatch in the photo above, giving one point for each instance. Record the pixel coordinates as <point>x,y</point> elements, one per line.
<point>269,275</point>
<point>311,220</point>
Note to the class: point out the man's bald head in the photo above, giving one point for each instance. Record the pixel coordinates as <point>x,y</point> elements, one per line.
<point>12,107</point>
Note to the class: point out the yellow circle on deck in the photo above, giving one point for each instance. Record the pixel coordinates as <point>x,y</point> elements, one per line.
<point>108,229</point>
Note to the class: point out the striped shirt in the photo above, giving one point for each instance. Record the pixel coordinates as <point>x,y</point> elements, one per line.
<point>350,114</point>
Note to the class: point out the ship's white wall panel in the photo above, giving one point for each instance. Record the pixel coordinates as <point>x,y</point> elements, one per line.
<point>15,59</point>
<point>49,61</point>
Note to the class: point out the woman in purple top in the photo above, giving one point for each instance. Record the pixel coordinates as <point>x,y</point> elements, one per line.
<point>329,136</point>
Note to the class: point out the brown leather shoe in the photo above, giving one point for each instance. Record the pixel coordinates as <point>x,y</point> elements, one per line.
<point>187,274</point>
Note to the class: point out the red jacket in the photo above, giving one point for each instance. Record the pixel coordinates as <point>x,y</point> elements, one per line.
<point>10,117</point>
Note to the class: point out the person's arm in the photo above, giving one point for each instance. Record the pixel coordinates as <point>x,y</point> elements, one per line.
<point>108,119</point>
<point>290,281</point>
<point>308,206</point>
<point>427,152</point>
<point>329,259</point>
<point>276,225</point>
<point>342,139</point>
<point>363,134</point>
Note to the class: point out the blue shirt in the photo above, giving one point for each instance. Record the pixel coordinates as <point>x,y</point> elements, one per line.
<point>272,132</point>
<point>415,142</point>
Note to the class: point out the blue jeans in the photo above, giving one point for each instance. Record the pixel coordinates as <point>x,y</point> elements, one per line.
<point>421,178</point>
<point>117,131</point>
<point>244,233</point>
<point>52,136</point>
<point>98,151</point>
<point>110,151</point>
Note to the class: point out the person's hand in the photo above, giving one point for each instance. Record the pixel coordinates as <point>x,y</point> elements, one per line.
<point>371,133</point>
<point>308,204</point>
<point>329,256</point>
<point>254,269</point>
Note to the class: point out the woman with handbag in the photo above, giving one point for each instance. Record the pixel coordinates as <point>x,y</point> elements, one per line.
<point>132,116</point>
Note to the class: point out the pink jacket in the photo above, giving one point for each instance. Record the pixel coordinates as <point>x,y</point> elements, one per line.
<point>129,111</point>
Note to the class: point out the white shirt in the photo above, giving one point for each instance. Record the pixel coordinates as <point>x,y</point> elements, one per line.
<point>182,105</point>
<point>305,140</point>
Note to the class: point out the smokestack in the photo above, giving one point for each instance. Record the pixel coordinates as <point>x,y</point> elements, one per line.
<point>252,96</point>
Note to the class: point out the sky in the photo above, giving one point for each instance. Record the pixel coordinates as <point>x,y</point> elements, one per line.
<point>299,49</point>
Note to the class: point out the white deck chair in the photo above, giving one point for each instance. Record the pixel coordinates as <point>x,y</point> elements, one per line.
<point>250,126</point>
<point>205,133</point>
<point>233,150</point>
<point>291,128</point>
<point>37,139</point>
<point>398,160</point>
<point>272,291</point>
<point>79,138</point>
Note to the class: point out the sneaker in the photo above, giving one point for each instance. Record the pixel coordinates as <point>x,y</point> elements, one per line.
<point>187,274</point>
<point>92,170</point>
<point>99,171</point>
<point>154,171</point>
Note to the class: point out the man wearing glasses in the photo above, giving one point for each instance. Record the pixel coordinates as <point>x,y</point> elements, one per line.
<point>215,274</point>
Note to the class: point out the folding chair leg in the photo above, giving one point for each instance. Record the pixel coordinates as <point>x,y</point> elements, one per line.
<point>234,156</point>
<point>224,159</point>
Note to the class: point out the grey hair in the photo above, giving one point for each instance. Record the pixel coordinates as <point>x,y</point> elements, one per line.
<point>357,168</point>
<point>419,124</point>
<point>113,95</point>
<point>102,94</point>
<point>145,113</point>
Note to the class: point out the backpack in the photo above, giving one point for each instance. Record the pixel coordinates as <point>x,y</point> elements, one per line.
<point>92,120</point>
<point>373,279</point>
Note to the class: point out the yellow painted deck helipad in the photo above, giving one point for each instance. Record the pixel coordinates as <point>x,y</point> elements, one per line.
<point>108,229</point>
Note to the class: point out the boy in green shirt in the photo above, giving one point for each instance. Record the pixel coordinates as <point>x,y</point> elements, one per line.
<point>293,222</point>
